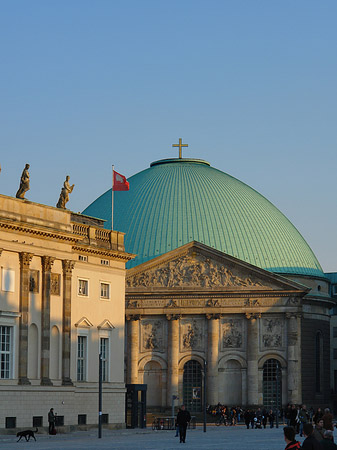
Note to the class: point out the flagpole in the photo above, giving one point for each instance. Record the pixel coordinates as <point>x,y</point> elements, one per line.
<point>112,199</point>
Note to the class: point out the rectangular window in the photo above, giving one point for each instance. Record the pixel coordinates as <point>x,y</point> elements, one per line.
<point>105,290</point>
<point>81,358</point>
<point>83,258</point>
<point>105,262</point>
<point>82,419</point>
<point>104,351</point>
<point>83,287</point>
<point>334,332</point>
<point>5,352</point>
<point>335,353</point>
<point>37,421</point>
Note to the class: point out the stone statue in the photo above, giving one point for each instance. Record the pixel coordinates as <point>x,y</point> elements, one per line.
<point>65,191</point>
<point>24,183</point>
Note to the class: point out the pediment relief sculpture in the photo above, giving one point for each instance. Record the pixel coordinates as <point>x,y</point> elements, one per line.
<point>198,271</point>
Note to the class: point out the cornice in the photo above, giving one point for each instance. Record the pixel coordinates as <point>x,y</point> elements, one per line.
<point>122,256</point>
<point>33,231</point>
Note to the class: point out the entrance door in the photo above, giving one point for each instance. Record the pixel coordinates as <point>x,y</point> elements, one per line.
<point>192,386</point>
<point>272,384</point>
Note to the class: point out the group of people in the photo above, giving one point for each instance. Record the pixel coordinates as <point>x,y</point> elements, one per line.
<point>316,426</point>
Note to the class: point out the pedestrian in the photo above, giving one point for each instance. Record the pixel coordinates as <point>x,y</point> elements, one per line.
<point>327,418</point>
<point>51,421</point>
<point>293,417</point>
<point>310,443</point>
<point>183,419</point>
<point>271,417</point>
<point>303,417</point>
<point>327,442</point>
<point>318,432</point>
<point>177,426</point>
<point>289,437</point>
<point>318,415</point>
<point>246,417</point>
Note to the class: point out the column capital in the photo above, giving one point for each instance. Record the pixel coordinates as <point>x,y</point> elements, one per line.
<point>133,317</point>
<point>47,263</point>
<point>25,259</point>
<point>67,266</point>
<point>173,316</point>
<point>213,316</point>
<point>293,315</point>
<point>253,315</point>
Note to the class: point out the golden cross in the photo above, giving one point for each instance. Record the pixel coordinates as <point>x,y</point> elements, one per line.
<point>180,145</point>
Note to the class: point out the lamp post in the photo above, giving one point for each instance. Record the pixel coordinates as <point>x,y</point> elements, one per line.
<point>205,390</point>
<point>277,392</point>
<point>100,384</point>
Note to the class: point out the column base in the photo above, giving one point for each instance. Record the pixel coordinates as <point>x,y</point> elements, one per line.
<point>45,381</point>
<point>24,381</point>
<point>67,382</point>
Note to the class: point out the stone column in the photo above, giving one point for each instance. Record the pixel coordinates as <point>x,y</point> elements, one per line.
<point>172,357</point>
<point>47,263</point>
<point>133,336</point>
<point>212,359</point>
<point>293,354</point>
<point>67,267</point>
<point>25,259</point>
<point>252,356</point>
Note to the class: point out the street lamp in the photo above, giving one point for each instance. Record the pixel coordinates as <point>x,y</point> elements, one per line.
<point>205,378</point>
<point>277,392</point>
<point>100,384</point>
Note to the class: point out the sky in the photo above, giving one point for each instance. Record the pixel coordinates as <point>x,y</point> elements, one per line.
<point>250,86</point>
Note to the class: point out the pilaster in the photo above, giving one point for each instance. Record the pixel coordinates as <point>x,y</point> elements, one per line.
<point>252,358</point>
<point>173,357</point>
<point>212,358</point>
<point>133,334</point>
<point>25,259</point>
<point>67,267</point>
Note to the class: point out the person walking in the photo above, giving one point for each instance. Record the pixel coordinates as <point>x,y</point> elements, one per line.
<point>327,419</point>
<point>51,421</point>
<point>183,419</point>
<point>310,443</point>
<point>303,418</point>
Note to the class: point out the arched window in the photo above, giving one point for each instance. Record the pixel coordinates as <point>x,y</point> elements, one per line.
<point>319,361</point>
<point>272,384</point>
<point>192,386</point>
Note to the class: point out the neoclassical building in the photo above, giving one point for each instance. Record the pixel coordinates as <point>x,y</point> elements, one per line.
<point>223,290</point>
<point>62,295</point>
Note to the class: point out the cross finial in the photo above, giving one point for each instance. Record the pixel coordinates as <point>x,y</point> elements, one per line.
<point>180,145</point>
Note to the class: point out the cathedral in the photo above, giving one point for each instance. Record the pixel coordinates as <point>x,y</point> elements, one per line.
<point>224,295</point>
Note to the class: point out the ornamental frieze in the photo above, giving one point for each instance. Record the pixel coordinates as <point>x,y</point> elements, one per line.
<point>192,335</point>
<point>152,332</point>
<point>197,271</point>
<point>271,333</point>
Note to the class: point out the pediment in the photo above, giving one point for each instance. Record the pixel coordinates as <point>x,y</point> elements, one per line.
<point>196,265</point>
<point>106,325</point>
<point>83,323</point>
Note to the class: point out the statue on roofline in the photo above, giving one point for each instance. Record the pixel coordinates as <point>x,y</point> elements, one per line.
<point>65,191</point>
<point>24,183</point>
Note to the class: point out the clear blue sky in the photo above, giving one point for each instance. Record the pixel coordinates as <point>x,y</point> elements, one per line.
<point>251,86</point>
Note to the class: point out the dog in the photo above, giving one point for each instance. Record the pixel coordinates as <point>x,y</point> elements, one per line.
<point>27,434</point>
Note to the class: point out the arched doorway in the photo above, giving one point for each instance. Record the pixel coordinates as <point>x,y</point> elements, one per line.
<point>153,379</point>
<point>192,386</point>
<point>232,383</point>
<point>272,383</point>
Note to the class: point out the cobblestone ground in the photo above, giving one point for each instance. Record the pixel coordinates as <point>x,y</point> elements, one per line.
<point>222,438</point>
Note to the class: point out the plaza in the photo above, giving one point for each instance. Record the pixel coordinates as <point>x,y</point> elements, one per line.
<point>228,438</point>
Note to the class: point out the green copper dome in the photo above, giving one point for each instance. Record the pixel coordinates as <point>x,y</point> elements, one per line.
<point>177,201</point>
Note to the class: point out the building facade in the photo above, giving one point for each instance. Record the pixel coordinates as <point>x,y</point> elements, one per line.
<point>222,280</point>
<point>62,292</point>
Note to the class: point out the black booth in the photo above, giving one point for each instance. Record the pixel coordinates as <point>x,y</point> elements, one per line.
<point>135,406</point>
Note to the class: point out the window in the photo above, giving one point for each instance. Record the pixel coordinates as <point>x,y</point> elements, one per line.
<point>5,352</point>
<point>335,353</point>
<point>83,258</point>
<point>10,422</point>
<point>81,358</point>
<point>105,290</point>
<point>105,262</point>
<point>82,419</point>
<point>8,280</point>
<point>319,361</point>
<point>83,287</point>
<point>104,351</point>
<point>334,332</point>
<point>37,421</point>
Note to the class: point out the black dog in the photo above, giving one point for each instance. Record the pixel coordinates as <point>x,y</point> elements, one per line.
<point>27,434</point>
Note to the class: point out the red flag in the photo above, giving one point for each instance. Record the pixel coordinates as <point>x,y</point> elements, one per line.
<point>120,182</point>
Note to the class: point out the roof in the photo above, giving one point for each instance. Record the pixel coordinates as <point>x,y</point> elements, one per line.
<point>177,201</point>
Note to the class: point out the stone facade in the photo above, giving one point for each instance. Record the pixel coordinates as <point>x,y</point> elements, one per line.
<point>198,304</point>
<point>62,294</point>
